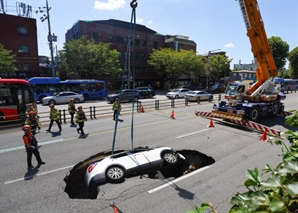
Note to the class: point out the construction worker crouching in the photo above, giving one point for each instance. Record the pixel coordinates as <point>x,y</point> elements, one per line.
<point>54,116</point>
<point>32,122</point>
<point>31,146</point>
<point>80,119</point>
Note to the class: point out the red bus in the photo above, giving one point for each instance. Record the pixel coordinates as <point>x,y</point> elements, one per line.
<point>15,95</point>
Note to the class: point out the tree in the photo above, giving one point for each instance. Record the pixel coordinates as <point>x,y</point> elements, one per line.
<point>84,58</point>
<point>293,59</point>
<point>7,60</point>
<point>175,63</point>
<point>280,51</point>
<point>218,65</point>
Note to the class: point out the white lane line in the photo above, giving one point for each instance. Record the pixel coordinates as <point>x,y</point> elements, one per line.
<point>40,174</point>
<point>177,179</point>
<point>192,133</point>
<point>22,147</point>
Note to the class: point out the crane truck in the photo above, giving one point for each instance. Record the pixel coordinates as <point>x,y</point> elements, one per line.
<point>244,101</point>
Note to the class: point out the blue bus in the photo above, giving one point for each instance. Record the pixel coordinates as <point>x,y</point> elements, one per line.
<point>286,85</point>
<point>47,86</point>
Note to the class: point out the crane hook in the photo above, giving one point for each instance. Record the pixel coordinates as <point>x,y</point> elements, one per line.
<point>133,4</point>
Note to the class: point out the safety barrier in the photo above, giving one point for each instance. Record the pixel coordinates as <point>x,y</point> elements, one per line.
<point>95,112</point>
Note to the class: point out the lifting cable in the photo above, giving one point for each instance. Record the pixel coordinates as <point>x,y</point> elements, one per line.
<point>127,74</point>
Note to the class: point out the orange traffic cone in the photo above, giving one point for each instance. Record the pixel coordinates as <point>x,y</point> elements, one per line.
<point>211,123</point>
<point>264,136</point>
<point>142,108</point>
<point>173,115</point>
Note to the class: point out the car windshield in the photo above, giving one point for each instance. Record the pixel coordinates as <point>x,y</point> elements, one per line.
<point>231,89</point>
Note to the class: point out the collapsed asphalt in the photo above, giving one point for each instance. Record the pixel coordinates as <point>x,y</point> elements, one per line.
<point>75,185</point>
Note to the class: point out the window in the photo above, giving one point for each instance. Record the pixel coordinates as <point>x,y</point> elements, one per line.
<point>95,36</point>
<point>110,39</point>
<point>155,45</point>
<point>137,42</point>
<point>126,40</point>
<point>144,43</point>
<point>119,40</point>
<point>143,56</point>
<point>22,30</point>
<point>137,56</point>
<point>22,49</point>
<point>24,67</point>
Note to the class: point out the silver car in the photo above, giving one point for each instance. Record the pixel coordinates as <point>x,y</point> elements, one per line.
<point>63,97</point>
<point>177,93</point>
<point>195,95</point>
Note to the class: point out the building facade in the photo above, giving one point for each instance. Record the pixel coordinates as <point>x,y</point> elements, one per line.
<point>19,34</point>
<point>251,66</point>
<point>143,41</point>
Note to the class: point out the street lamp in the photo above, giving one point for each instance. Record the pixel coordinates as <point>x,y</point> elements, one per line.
<point>209,54</point>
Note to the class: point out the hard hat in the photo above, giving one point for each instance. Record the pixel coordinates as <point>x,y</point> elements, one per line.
<point>31,113</point>
<point>51,105</point>
<point>80,107</point>
<point>26,127</point>
<point>30,104</point>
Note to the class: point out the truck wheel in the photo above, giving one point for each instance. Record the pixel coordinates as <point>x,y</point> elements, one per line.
<point>275,108</point>
<point>254,113</point>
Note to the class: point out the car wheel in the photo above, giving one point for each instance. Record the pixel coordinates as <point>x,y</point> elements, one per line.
<point>77,100</point>
<point>52,102</point>
<point>254,113</point>
<point>150,95</point>
<point>275,108</point>
<point>136,99</point>
<point>115,174</point>
<point>176,96</point>
<point>169,158</point>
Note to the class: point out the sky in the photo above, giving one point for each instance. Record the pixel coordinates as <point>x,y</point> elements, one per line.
<point>211,24</point>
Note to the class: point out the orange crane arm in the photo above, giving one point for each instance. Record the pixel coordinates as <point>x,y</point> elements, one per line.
<point>259,42</point>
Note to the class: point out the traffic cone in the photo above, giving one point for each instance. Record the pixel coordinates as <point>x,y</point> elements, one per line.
<point>173,115</point>
<point>211,123</point>
<point>264,136</point>
<point>142,109</point>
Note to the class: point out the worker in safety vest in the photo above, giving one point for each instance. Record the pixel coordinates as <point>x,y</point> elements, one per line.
<point>80,119</point>
<point>32,122</point>
<point>71,110</point>
<point>115,108</point>
<point>31,108</point>
<point>31,146</point>
<point>54,116</point>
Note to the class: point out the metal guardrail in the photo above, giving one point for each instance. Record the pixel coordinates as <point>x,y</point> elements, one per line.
<point>96,112</point>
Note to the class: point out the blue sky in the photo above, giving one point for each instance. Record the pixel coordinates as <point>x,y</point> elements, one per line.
<point>212,24</point>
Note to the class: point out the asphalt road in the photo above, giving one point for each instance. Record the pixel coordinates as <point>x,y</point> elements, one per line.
<point>42,190</point>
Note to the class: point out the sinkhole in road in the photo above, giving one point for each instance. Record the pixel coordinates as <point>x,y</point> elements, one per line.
<point>76,189</point>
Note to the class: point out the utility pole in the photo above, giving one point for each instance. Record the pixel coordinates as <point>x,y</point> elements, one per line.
<point>51,37</point>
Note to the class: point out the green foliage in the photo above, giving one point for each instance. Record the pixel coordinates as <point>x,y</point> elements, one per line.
<point>279,192</point>
<point>293,59</point>
<point>175,63</point>
<point>280,51</point>
<point>218,66</point>
<point>84,58</point>
<point>7,60</point>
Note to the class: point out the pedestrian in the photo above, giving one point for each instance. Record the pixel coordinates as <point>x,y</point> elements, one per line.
<point>54,116</point>
<point>71,110</point>
<point>31,146</point>
<point>32,121</point>
<point>115,108</point>
<point>80,119</point>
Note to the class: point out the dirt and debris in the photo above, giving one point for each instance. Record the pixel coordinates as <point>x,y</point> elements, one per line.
<point>75,185</point>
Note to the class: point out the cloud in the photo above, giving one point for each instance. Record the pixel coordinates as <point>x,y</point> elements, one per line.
<point>139,20</point>
<point>110,5</point>
<point>229,45</point>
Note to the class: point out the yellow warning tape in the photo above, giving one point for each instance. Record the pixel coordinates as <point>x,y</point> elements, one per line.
<point>227,115</point>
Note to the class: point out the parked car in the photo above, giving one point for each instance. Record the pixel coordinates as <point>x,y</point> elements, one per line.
<point>127,95</point>
<point>177,93</point>
<point>146,92</point>
<point>217,88</point>
<point>63,97</point>
<point>190,87</point>
<point>195,95</point>
<point>116,167</point>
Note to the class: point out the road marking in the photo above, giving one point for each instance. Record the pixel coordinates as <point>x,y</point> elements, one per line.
<point>192,133</point>
<point>172,183</point>
<point>39,174</point>
<point>22,147</point>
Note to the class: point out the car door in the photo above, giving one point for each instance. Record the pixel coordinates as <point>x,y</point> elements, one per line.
<point>183,93</point>
<point>140,158</point>
<point>204,96</point>
<point>60,98</point>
